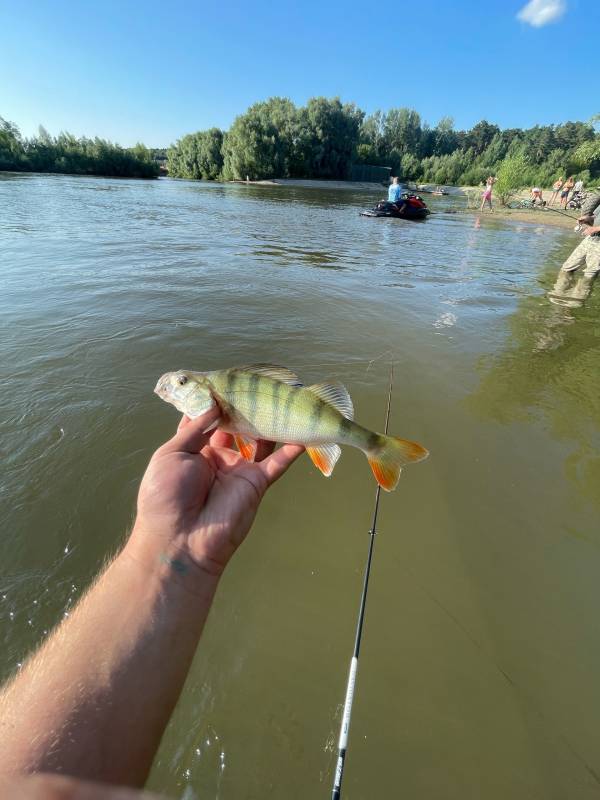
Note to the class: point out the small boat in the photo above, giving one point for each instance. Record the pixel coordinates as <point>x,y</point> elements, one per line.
<point>410,206</point>
<point>439,190</point>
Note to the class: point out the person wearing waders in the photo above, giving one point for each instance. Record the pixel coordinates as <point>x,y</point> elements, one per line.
<point>577,275</point>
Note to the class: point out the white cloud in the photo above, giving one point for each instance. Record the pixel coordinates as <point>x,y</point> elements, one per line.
<point>541,12</point>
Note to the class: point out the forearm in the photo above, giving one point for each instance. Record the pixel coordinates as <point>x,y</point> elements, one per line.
<point>590,205</point>
<point>93,702</point>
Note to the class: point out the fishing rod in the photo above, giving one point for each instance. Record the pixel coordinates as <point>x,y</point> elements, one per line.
<point>556,211</point>
<point>345,725</point>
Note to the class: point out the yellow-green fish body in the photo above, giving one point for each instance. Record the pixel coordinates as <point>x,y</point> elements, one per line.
<point>263,401</point>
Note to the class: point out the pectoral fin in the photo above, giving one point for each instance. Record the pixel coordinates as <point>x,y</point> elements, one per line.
<point>246,446</point>
<point>324,457</point>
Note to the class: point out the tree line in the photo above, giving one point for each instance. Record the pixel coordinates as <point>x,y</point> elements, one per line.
<point>277,139</point>
<point>66,153</point>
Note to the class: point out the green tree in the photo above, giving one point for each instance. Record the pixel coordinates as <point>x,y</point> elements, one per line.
<point>445,140</point>
<point>587,157</point>
<point>480,137</point>
<point>12,152</point>
<point>197,156</point>
<point>333,134</point>
<point>65,153</point>
<point>260,142</point>
<point>511,177</point>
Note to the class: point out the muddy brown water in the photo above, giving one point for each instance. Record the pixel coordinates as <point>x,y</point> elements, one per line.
<point>480,667</point>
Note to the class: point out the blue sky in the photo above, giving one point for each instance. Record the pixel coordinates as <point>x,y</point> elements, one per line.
<point>151,71</point>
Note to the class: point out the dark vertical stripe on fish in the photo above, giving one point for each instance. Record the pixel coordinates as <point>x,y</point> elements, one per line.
<point>287,411</point>
<point>344,429</point>
<point>316,414</point>
<point>253,384</point>
<point>374,441</point>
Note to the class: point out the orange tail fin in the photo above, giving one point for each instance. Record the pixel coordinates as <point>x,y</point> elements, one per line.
<point>387,460</point>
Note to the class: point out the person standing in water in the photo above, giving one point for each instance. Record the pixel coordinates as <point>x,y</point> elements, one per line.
<point>577,275</point>
<point>487,193</point>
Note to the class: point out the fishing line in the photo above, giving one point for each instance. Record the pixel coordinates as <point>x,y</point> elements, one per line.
<point>345,724</point>
<point>556,211</point>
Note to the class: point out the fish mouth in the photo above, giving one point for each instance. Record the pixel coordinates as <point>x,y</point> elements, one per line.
<point>161,385</point>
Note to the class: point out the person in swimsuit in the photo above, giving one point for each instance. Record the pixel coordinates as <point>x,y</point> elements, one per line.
<point>556,187</point>
<point>564,195</point>
<point>487,193</point>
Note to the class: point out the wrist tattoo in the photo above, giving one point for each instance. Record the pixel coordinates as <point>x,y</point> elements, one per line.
<point>175,563</point>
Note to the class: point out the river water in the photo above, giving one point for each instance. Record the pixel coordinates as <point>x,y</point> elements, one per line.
<point>481,652</point>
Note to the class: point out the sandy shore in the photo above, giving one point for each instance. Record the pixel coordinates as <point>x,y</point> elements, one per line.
<point>548,215</point>
<point>314,184</point>
<point>532,216</point>
<point>353,185</point>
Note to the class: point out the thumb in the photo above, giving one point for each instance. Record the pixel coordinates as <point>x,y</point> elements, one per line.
<point>191,437</point>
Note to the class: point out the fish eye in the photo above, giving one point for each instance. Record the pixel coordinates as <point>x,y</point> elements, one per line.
<point>182,380</point>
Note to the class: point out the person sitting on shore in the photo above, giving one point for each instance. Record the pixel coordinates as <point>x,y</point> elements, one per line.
<point>94,700</point>
<point>556,187</point>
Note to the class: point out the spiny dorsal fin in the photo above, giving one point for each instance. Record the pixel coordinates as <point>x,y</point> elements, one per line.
<point>324,456</point>
<point>336,395</point>
<point>273,371</point>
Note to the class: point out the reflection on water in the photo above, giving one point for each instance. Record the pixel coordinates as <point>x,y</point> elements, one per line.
<point>550,369</point>
<point>480,657</point>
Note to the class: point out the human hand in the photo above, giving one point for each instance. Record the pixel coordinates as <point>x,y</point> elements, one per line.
<point>586,220</point>
<point>198,497</point>
<point>590,230</point>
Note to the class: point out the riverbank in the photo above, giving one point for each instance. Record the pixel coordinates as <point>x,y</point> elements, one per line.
<point>305,183</point>
<point>533,216</point>
<point>316,184</point>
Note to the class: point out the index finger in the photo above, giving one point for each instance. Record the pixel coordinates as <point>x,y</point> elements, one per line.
<point>278,462</point>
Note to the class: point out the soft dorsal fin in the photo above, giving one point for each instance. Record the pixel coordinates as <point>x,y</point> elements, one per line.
<point>336,395</point>
<point>273,371</point>
<point>324,456</point>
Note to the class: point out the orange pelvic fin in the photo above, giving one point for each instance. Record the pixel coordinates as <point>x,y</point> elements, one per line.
<point>246,446</point>
<point>324,457</point>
